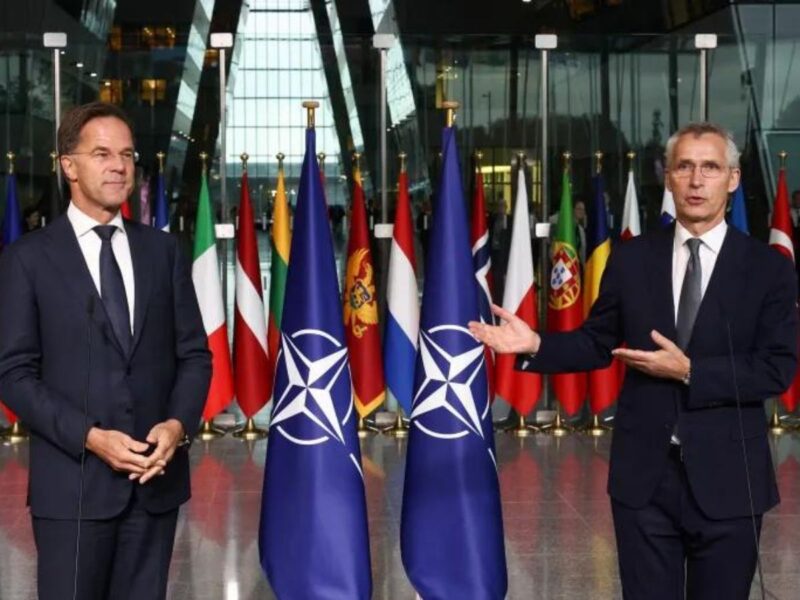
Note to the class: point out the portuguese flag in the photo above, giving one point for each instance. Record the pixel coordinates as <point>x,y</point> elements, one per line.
<point>207,286</point>
<point>564,304</point>
<point>281,241</point>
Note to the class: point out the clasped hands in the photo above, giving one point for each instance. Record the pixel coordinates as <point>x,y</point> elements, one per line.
<point>514,336</point>
<point>123,453</point>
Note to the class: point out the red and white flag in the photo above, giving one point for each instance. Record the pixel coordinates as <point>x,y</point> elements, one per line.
<point>631,226</point>
<point>782,239</point>
<point>521,389</point>
<point>252,376</point>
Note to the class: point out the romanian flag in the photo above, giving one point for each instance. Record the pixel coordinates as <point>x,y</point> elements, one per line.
<point>564,304</point>
<point>361,310</point>
<point>281,242</point>
<point>603,383</point>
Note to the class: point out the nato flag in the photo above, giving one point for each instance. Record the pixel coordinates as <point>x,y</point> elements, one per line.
<point>12,216</point>
<point>452,526</point>
<point>313,536</point>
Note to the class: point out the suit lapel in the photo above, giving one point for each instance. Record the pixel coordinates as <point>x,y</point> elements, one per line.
<point>140,258</point>
<point>660,273</point>
<point>65,253</point>
<point>721,295</point>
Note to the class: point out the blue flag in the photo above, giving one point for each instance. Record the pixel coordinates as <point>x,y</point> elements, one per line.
<point>12,216</point>
<point>452,528</point>
<point>162,208</point>
<point>738,213</point>
<point>313,537</point>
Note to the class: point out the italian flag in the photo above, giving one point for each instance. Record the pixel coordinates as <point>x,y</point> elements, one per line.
<point>281,242</point>
<point>207,286</point>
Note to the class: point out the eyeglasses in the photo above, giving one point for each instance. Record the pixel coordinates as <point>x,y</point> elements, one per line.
<point>709,170</point>
<point>104,156</point>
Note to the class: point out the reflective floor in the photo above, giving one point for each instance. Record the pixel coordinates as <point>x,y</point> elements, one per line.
<point>559,536</point>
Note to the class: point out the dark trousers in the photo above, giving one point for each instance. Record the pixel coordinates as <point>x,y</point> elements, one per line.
<point>670,550</point>
<point>123,558</point>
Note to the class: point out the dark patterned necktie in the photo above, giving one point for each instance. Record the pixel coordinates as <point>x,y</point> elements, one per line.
<point>112,288</point>
<point>691,294</point>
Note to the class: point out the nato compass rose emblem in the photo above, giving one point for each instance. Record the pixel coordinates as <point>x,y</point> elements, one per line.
<point>312,390</point>
<point>452,400</point>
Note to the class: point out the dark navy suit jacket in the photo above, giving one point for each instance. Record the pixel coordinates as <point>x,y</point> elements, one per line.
<point>753,292</point>
<point>56,342</point>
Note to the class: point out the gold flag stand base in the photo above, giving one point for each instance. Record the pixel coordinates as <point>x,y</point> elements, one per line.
<point>522,429</point>
<point>250,432</point>
<point>595,428</point>
<point>208,432</point>
<point>399,429</point>
<point>558,428</point>
<point>775,425</point>
<point>16,434</point>
<point>365,428</point>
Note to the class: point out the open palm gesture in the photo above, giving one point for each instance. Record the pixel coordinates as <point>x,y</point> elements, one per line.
<point>513,336</point>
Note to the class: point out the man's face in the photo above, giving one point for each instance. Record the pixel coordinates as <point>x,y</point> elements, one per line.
<point>100,169</point>
<point>580,212</point>
<point>700,179</point>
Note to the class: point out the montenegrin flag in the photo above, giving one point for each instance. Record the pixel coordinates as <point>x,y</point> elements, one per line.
<point>565,302</point>
<point>252,375</point>
<point>207,286</point>
<point>521,389</point>
<point>361,310</point>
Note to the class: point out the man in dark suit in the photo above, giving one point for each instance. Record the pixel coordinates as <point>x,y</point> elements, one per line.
<point>707,314</point>
<point>103,355</point>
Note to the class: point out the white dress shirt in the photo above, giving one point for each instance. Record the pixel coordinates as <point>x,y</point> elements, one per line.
<point>709,251</point>
<point>90,244</point>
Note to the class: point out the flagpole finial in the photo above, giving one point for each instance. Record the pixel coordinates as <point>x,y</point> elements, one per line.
<point>244,157</point>
<point>280,156</point>
<point>10,156</point>
<point>631,157</point>
<point>567,156</point>
<point>203,159</point>
<point>321,158</point>
<point>520,159</point>
<point>478,159</point>
<point>310,106</point>
<point>160,156</point>
<point>402,156</point>
<point>54,161</point>
<point>782,155</point>
<point>598,165</point>
<point>357,160</point>
<point>450,106</point>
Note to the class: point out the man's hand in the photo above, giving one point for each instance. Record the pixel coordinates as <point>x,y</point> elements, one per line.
<point>118,450</point>
<point>669,362</point>
<point>165,436</point>
<point>512,337</point>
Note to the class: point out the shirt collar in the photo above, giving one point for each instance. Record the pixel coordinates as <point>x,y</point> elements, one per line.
<point>712,238</point>
<point>83,223</point>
